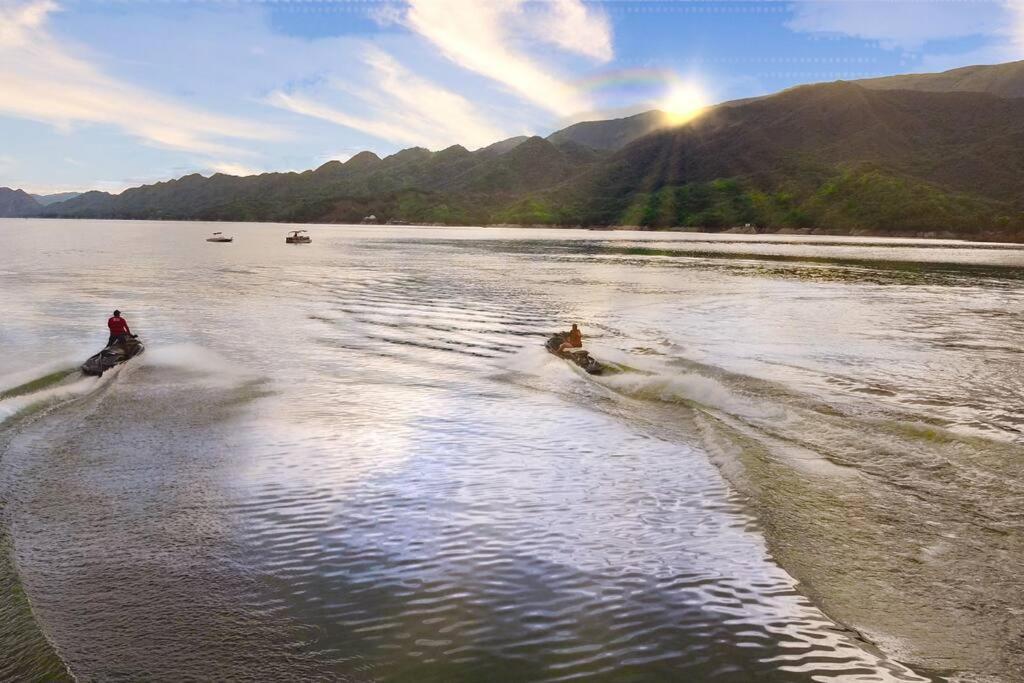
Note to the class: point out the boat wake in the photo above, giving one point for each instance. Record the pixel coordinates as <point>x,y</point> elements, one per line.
<point>69,445</point>
<point>45,387</point>
<point>849,488</point>
<point>690,388</point>
<point>196,362</point>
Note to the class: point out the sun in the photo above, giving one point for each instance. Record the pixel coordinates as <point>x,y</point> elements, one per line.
<point>684,103</point>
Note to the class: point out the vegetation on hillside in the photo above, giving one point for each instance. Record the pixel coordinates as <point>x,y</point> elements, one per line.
<point>834,157</point>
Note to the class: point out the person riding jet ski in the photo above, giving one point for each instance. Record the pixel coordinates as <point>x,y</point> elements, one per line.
<point>121,346</point>
<point>119,330</point>
<point>573,340</point>
<point>569,345</point>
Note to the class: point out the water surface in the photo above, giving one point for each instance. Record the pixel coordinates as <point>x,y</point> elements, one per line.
<point>353,460</point>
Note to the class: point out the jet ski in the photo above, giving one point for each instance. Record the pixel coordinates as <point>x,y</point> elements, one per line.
<point>115,354</point>
<point>580,357</point>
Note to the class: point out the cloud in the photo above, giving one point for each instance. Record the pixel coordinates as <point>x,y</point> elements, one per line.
<point>903,24</point>
<point>572,27</point>
<point>405,108</point>
<point>43,81</point>
<point>494,39</point>
<point>341,156</point>
<point>1016,10</point>
<point>228,168</point>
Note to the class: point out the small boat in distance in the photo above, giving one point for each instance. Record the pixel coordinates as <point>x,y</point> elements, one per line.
<point>219,237</point>
<point>297,238</point>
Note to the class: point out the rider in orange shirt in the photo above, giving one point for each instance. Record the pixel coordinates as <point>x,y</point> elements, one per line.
<point>574,340</point>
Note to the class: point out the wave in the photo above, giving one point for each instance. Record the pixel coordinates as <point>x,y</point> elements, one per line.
<point>825,472</point>
<point>49,387</point>
<point>28,653</point>
<point>60,380</point>
<point>190,357</point>
<point>689,387</point>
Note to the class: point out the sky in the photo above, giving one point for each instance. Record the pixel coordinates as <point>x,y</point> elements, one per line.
<point>109,94</point>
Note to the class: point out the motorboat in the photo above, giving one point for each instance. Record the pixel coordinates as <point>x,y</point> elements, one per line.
<point>219,237</point>
<point>119,352</point>
<point>578,356</point>
<point>296,237</point>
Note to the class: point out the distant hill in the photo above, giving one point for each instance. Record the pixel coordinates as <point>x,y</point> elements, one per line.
<point>450,186</point>
<point>612,134</point>
<point>1003,80</point>
<point>47,199</point>
<point>503,146</point>
<point>834,157</point>
<point>17,203</point>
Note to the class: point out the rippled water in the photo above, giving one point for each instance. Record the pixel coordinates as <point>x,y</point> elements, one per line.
<point>353,460</point>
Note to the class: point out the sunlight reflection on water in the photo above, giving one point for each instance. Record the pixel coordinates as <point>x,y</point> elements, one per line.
<point>355,453</point>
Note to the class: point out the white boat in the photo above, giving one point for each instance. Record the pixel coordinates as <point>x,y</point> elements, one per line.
<point>296,237</point>
<point>219,237</point>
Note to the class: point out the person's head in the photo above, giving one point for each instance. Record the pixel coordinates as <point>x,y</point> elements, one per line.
<point>117,314</point>
<point>574,326</point>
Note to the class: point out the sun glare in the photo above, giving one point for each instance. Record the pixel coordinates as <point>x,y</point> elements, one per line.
<point>684,103</point>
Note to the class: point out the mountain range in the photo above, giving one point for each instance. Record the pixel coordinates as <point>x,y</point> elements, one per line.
<point>936,154</point>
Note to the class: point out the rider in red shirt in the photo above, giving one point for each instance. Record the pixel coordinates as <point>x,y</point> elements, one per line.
<point>118,327</point>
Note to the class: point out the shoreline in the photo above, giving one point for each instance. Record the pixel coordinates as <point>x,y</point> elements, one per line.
<point>937,235</point>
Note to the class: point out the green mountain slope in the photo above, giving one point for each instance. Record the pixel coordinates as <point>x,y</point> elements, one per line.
<point>453,185</point>
<point>611,134</point>
<point>833,157</point>
<point>1003,80</point>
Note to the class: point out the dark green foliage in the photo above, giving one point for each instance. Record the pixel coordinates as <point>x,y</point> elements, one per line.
<point>834,158</point>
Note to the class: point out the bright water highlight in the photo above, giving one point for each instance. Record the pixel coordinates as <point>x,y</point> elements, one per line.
<point>354,460</point>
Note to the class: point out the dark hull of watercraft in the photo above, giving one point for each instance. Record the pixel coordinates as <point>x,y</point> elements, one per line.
<point>578,357</point>
<point>112,355</point>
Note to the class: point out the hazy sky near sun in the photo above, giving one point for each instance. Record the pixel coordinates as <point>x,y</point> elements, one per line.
<point>105,94</point>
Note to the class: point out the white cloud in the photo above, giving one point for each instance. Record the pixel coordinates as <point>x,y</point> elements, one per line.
<point>572,27</point>
<point>405,108</point>
<point>309,107</point>
<point>42,80</point>
<point>1016,9</point>
<point>342,156</point>
<point>228,168</point>
<point>902,24</point>
<point>493,38</point>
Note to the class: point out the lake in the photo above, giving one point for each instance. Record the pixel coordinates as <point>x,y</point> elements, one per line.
<point>354,460</point>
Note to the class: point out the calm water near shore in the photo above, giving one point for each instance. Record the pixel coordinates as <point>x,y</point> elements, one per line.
<point>354,460</point>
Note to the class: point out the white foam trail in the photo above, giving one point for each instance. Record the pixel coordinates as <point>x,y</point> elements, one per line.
<point>194,358</point>
<point>679,387</point>
<point>16,379</point>
<point>646,380</point>
<point>529,360</point>
<point>61,392</point>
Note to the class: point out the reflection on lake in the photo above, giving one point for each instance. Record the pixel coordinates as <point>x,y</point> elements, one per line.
<point>354,460</point>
